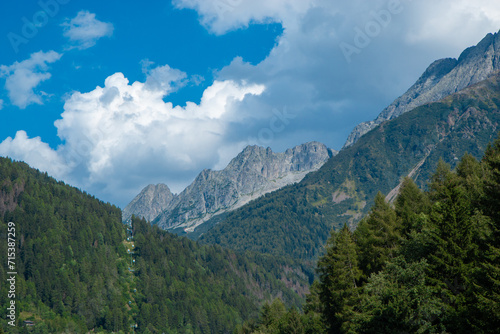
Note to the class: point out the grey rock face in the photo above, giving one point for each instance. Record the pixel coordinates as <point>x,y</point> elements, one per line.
<point>254,172</point>
<point>442,78</point>
<point>150,202</point>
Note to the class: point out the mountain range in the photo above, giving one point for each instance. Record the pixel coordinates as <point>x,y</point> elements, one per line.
<point>377,163</point>
<point>253,173</point>
<point>296,220</point>
<point>263,221</point>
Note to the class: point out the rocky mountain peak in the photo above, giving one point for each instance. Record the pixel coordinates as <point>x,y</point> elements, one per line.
<point>442,78</point>
<point>254,172</point>
<point>149,203</point>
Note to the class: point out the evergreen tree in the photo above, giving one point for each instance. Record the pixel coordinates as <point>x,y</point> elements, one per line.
<point>492,184</point>
<point>398,299</point>
<point>455,233</point>
<point>271,315</point>
<point>378,236</point>
<point>472,176</point>
<point>487,308</point>
<point>410,204</point>
<point>339,275</point>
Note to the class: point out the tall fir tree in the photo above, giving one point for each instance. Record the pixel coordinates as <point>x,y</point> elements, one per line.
<point>455,230</point>
<point>487,308</point>
<point>378,236</point>
<point>410,204</point>
<point>339,275</point>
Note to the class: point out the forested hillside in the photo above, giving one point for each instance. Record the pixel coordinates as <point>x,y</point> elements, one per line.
<point>183,287</point>
<point>69,247</point>
<point>295,221</point>
<point>74,273</point>
<point>428,264</point>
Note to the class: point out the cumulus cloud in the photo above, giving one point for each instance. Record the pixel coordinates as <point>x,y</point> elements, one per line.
<point>84,30</point>
<point>21,78</point>
<point>453,22</point>
<point>35,153</point>
<point>163,78</point>
<point>329,91</point>
<point>221,16</point>
<point>122,136</point>
<point>119,137</point>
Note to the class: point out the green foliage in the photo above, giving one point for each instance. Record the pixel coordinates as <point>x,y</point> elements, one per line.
<point>288,226</point>
<point>75,275</point>
<point>184,287</point>
<point>398,299</point>
<point>411,206</point>
<point>378,236</point>
<point>339,275</point>
<point>430,264</point>
<point>276,319</point>
<point>68,246</point>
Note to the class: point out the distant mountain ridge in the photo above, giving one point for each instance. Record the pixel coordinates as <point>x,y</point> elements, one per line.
<point>253,173</point>
<point>442,78</point>
<point>296,220</point>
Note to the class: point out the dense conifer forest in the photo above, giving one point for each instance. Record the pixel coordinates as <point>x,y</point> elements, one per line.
<point>427,264</point>
<point>80,269</point>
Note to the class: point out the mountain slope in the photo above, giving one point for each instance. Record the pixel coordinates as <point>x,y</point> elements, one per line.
<point>296,220</point>
<point>254,172</point>
<point>442,78</point>
<point>68,254</point>
<point>74,273</point>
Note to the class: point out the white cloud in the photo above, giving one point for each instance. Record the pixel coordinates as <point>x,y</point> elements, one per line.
<point>163,78</point>
<point>1,104</point>
<point>21,78</point>
<point>35,153</point>
<point>453,22</point>
<point>308,73</point>
<point>84,30</point>
<point>221,16</point>
<point>123,135</point>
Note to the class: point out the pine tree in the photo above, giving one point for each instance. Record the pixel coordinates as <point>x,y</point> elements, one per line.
<point>487,308</point>
<point>492,187</point>
<point>378,236</point>
<point>312,310</point>
<point>454,231</point>
<point>339,275</point>
<point>272,313</point>
<point>397,300</point>
<point>410,204</point>
<point>472,176</point>
<point>439,178</point>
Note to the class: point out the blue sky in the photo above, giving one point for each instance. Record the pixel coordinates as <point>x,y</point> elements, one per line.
<point>110,96</point>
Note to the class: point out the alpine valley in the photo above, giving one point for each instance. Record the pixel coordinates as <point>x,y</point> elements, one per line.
<point>399,232</point>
